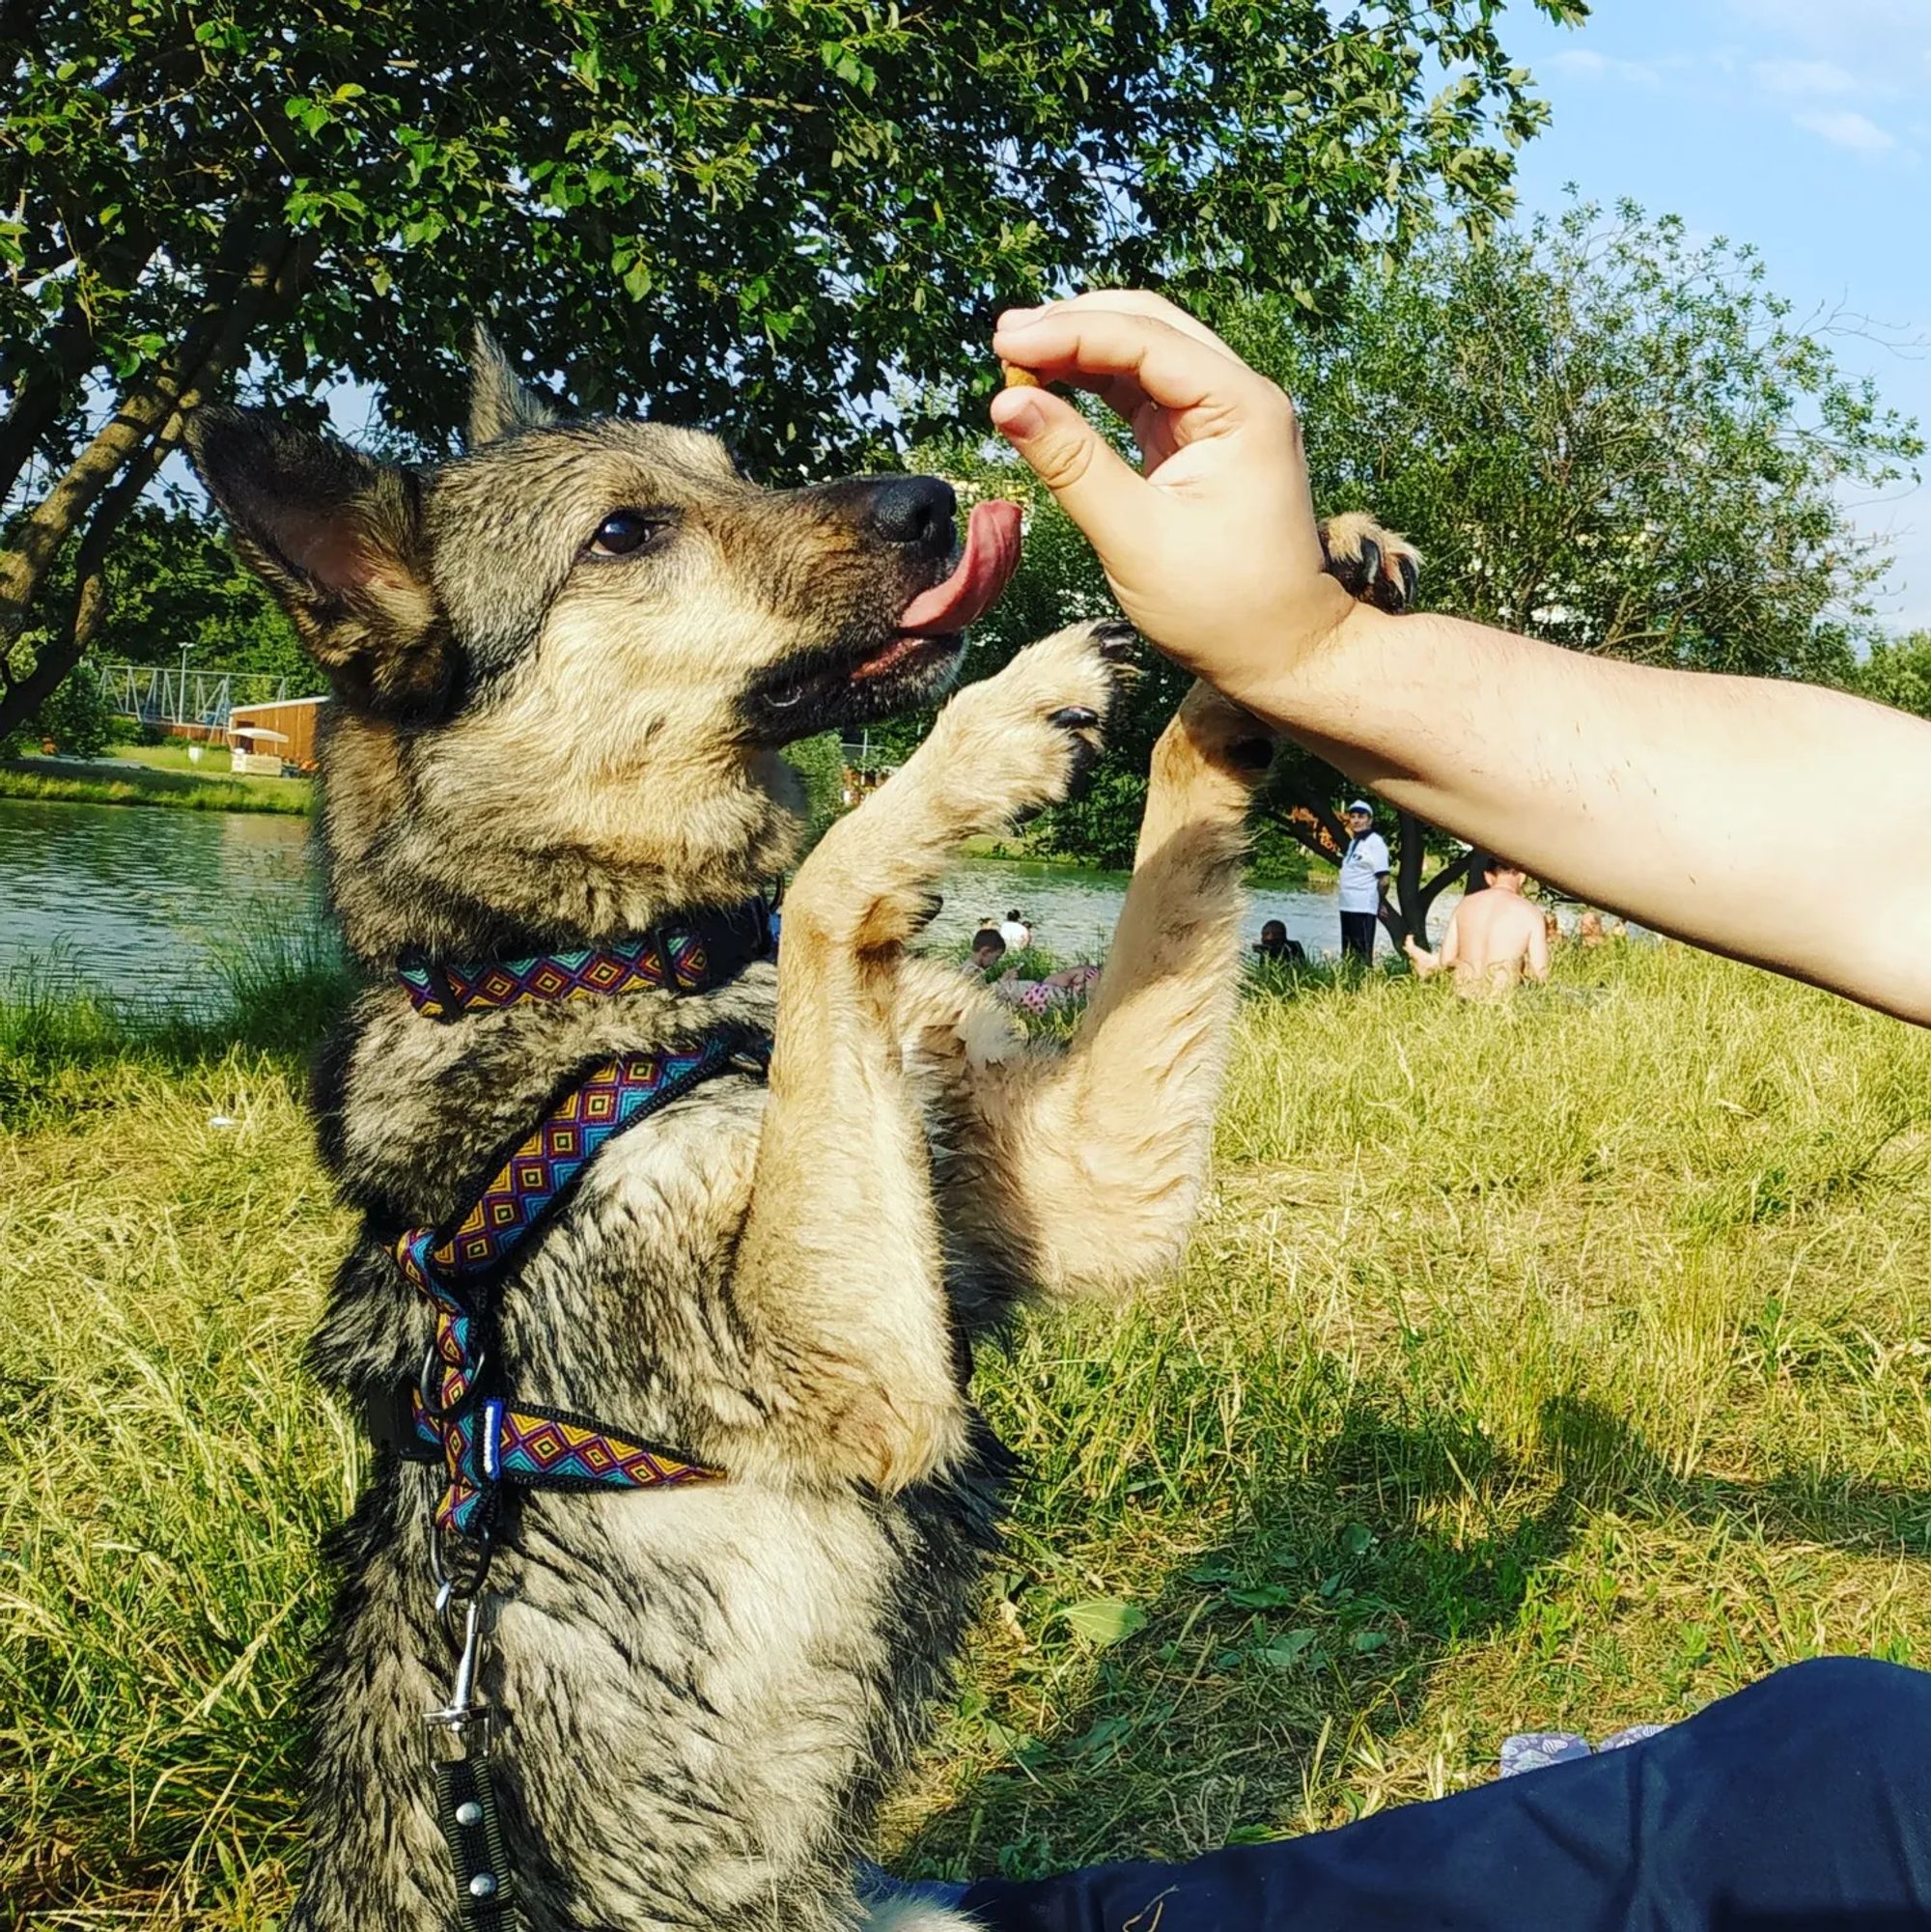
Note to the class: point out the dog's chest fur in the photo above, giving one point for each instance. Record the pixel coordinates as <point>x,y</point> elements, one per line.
<point>706,1687</point>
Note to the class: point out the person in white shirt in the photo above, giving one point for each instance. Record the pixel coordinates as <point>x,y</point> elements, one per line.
<point>1015,931</point>
<point>1364,871</point>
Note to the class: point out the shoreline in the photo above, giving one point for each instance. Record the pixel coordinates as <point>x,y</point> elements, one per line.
<point>54,782</point>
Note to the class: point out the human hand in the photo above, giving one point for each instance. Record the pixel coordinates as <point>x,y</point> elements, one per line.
<point>1212,551</point>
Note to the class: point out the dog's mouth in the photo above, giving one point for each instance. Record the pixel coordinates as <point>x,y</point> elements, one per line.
<point>987,561</point>
<point>861,682</point>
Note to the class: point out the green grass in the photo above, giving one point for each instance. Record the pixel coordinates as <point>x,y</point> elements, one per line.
<point>1560,1364</point>
<point>183,789</point>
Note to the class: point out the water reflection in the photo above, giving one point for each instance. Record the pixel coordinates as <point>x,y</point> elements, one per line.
<point>141,902</point>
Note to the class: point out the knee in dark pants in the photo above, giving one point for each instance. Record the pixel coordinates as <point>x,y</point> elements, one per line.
<point>1877,1713</point>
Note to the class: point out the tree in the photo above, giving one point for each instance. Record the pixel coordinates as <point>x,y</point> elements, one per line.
<point>1601,432</point>
<point>74,718</point>
<point>765,213</point>
<point>174,579</point>
<point>1898,672</point>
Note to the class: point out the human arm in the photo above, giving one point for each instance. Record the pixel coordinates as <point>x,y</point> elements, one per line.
<point>1536,964</point>
<point>1686,801</point>
<point>1426,964</point>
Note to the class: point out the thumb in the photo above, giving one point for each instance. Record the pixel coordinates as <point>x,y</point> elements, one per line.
<point>1094,484</point>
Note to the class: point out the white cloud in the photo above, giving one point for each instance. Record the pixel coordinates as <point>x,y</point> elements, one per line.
<point>1849,129</point>
<point>1586,61</point>
<point>1871,41</point>
<point>1805,77</point>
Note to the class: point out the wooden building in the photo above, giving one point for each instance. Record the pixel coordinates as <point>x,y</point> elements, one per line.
<point>266,737</point>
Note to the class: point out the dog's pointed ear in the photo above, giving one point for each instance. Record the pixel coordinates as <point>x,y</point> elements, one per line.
<point>500,402</point>
<point>340,541</point>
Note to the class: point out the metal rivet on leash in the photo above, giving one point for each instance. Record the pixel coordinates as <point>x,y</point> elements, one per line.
<point>484,1882</point>
<point>469,1812</point>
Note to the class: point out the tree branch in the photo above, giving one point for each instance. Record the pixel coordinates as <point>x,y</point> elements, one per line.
<point>210,347</point>
<point>43,386</point>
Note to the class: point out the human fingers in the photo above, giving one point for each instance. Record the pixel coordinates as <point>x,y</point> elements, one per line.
<point>1137,302</point>
<point>1098,348</point>
<point>1096,486</point>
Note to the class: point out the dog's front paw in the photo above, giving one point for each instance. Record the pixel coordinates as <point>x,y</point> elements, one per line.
<point>1370,562</point>
<point>1214,734</point>
<point>1022,738</point>
<point>1000,750</point>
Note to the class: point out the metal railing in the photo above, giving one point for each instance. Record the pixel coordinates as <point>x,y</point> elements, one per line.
<point>165,695</point>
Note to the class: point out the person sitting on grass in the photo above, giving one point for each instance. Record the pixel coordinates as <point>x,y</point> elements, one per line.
<point>1275,948</point>
<point>988,950</point>
<point>1495,939</point>
<point>1804,1800</point>
<point>1064,988</point>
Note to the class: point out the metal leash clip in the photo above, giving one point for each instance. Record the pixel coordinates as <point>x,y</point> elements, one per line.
<point>464,1727</point>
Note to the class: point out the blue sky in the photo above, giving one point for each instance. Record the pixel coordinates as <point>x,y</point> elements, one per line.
<point>1802,127</point>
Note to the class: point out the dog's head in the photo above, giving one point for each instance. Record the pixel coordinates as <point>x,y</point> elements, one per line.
<point>564,664</point>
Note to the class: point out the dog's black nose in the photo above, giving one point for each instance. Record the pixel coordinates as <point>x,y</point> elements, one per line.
<point>913,510</point>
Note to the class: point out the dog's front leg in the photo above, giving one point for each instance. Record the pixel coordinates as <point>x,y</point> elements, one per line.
<point>840,1270</point>
<point>1079,1173</point>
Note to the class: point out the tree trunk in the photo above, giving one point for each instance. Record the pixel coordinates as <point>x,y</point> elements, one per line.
<point>41,388</point>
<point>1451,873</point>
<point>132,447</point>
<point>250,272</point>
<point>1416,896</point>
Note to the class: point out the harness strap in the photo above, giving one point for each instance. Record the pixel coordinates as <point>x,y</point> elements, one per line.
<point>485,1438</point>
<point>692,956</point>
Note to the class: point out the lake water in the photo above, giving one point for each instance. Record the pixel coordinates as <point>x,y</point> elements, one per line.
<point>144,902</point>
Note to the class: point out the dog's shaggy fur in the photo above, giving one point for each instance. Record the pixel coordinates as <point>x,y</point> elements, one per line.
<point>547,735</point>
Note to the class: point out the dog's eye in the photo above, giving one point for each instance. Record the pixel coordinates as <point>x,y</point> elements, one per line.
<point>625,532</point>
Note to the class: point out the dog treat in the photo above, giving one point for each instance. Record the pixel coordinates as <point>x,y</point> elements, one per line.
<point>1018,377</point>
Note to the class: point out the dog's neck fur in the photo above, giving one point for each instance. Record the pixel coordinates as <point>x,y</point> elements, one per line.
<point>492,887</point>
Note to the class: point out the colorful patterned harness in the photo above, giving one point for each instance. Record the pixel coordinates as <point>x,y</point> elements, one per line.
<point>458,1415</point>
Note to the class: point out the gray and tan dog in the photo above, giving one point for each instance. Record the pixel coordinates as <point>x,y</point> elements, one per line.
<point>564,666</point>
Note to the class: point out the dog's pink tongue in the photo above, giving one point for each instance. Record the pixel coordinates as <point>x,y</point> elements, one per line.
<point>992,555</point>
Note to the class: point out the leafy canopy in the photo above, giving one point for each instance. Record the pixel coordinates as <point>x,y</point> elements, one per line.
<point>1898,672</point>
<point>763,213</point>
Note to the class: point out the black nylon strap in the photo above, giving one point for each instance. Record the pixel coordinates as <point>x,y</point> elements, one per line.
<point>485,1889</point>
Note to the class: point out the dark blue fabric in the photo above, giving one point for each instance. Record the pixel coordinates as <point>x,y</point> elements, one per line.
<point>1800,1804</point>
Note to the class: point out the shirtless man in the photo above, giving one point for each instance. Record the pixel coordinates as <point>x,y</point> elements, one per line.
<point>1494,937</point>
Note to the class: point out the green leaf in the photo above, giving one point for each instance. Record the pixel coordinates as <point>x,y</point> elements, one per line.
<point>1263,1596</point>
<point>1105,1621</point>
<point>1285,1652</point>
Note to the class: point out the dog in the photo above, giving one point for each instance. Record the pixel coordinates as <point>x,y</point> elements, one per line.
<point>564,666</point>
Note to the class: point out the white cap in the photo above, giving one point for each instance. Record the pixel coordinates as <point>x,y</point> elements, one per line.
<point>1363,805</point>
